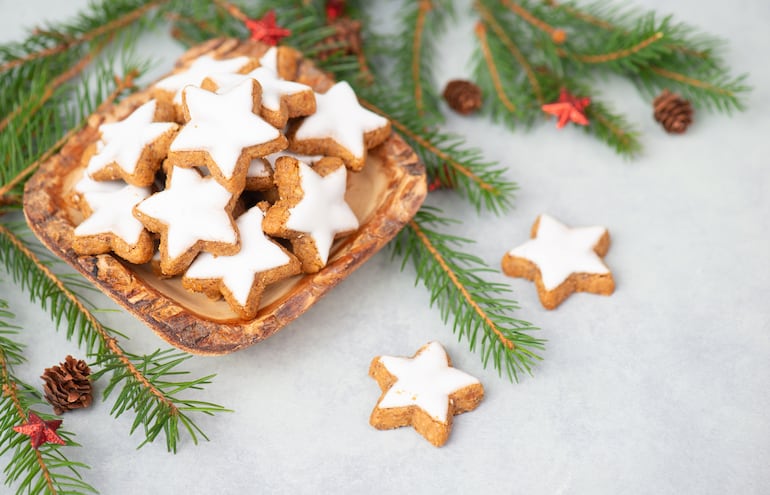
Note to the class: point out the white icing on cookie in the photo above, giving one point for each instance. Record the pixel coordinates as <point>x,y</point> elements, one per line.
<point>270,59</point>
<point>223,125</point>
<point>193,207</point>
<point>258,169</point>
<point>112,210</point>
<point>425,381</point>
<point>239,272</point>
<point>273,87</point>
<point>560,251</point>
<point>88,185</point>
<point>122,142</point>
<point>308,159</point>
<point>199,70</point>
<point>340,117</point>
<point>322,212</point>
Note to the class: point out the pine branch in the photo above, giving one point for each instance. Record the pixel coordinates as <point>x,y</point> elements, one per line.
<point>481,309</point>
<point>681,58</point>
<point>481,182</point>
<point>104,19</point>
<point>37,471</point>
<point>420,22</point>
<point>514,50</point>
<point>145,389</point>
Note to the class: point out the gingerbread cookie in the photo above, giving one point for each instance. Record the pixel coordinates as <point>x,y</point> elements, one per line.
<point>192,214</point>
<point>281,99</point>
<point>110,225</point>
<point>339,127</point>
<point>562,260</point>
<point>424,391</point>
<point>260,174</point>
<point>282,60</point>
<point>311,210</point>
<point>133,148</point>
<point>170,87</point>
<point>242,277</point>
<point>224,134</point>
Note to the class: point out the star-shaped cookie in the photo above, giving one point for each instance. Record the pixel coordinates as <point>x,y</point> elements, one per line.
<point>311,210</point>
<point>224,134</point>
<point>242,277</point>
<point>110,225</point>
<point>562,260</point>
<point>133,148</point>
<point>192,214</point>
<point>195,73</point>
<point>339,127</point>
<point>424,391</point>
<point>281,99</point>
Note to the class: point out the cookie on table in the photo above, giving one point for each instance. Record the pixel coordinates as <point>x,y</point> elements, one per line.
<point>311,210</point>
<point>242,277</point>
<point>562,260</point>
<point>193,214</point>
<point>170,87</point>
<point>423,391</point>
<point>133,148</point>
<point>224,134</point>
<point>281,99</point>
<point>339,127</point>
<point>109,225</point>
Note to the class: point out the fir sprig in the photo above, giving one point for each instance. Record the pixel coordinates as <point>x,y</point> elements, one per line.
<point>527,51</point>
<point>480,310</point>
<point>34,471</point>
<point>420,23</point>
<point>150,389</point>
<point>144,386</point>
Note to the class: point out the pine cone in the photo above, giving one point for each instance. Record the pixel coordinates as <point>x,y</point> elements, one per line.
<point>346,39</point>
<point>462,96</point>
<point>673,112</point>
<point>67,386</point>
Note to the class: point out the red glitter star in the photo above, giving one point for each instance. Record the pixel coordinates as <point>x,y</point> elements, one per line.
<point>568,109</point>
<point>266,30</point>
<point>40,431</point>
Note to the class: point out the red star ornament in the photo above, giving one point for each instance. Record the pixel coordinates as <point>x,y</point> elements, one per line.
<point>40,431</point>
<point>266,30</point>
<point>568,109</point>
<point>334,9</point>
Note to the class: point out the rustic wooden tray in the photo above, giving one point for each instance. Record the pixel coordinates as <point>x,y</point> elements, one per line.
<point>384,196</point>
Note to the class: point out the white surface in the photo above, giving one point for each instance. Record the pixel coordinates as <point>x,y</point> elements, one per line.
<point>661,388</point>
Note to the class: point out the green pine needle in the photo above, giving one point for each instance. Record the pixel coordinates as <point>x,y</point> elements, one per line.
<point>480,310</point>
<point>31,471</point>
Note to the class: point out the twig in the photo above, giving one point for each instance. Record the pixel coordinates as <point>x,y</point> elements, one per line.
<point>106,28</point>
<point>430,147</point>
<point>618,54</point>
<point>10,390</point>
<point>123,84</point>
<point>481,32</point>
<point>513,49</point>
<point>425,7</point>
<point>460,287</point>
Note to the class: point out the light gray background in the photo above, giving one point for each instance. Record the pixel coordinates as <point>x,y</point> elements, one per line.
<point>661,388</point>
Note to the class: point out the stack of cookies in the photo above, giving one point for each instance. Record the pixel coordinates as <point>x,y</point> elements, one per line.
<point>232,176</point>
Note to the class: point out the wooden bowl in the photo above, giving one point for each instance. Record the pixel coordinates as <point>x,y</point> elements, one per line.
<point>385,195</point>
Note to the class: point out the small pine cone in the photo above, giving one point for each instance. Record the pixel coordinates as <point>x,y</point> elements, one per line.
<point>462,96</point>
<point>67,386</point>
<point>673,112</point>
<point>346,39</point>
